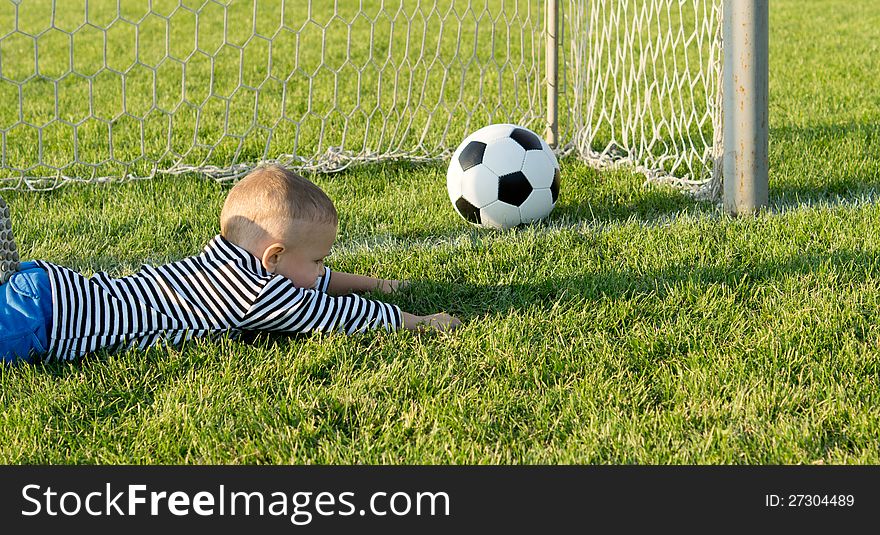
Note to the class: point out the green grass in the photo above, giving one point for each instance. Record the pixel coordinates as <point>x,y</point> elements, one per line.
<point>634,326</point>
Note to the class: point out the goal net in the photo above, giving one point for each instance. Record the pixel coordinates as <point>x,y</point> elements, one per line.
<point>97,90</point>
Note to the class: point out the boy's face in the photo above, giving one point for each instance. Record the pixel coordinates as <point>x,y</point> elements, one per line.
<point>308,245</point>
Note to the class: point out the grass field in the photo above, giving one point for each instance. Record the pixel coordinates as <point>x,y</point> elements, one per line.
<point>635,326</point>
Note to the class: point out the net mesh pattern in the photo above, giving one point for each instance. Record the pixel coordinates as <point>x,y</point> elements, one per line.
<point>107,90</point>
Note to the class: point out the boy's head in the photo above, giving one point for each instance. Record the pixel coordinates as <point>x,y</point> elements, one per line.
<point>283,219</point>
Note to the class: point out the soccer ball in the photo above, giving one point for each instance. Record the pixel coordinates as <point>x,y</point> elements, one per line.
<point>503,175</point>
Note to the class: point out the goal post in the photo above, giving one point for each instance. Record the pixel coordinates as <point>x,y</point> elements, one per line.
<point>552,68</point>
<point>746,99</point>
<point>106,90</point>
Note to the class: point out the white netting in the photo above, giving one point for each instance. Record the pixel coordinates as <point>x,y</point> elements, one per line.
<point>113,89</point>
<point>646,88</point>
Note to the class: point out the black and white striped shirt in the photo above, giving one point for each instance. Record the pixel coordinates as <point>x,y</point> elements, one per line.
<point>223,289</point>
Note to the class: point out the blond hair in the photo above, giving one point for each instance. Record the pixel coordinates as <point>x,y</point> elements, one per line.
<point>268,201</point>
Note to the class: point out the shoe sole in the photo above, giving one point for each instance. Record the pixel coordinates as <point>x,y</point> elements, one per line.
<point>9,260</point>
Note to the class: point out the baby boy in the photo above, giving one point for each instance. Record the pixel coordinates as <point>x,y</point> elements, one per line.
<point>264,272</point>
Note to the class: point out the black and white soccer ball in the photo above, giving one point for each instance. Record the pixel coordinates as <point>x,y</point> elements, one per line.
<point>503,175</point>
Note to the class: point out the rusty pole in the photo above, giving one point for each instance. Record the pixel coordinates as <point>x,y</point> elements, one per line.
<point>552,133</point>
<point>745,95</point>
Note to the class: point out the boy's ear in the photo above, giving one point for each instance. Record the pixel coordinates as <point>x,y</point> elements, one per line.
<point>271,257</point>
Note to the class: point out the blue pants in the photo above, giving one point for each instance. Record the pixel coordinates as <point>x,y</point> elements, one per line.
<point>25,315</point>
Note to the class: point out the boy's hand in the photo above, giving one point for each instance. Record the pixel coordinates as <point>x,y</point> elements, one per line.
<point>440,321</point>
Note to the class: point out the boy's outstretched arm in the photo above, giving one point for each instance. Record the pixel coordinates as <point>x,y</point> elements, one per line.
<point>345,283</point>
